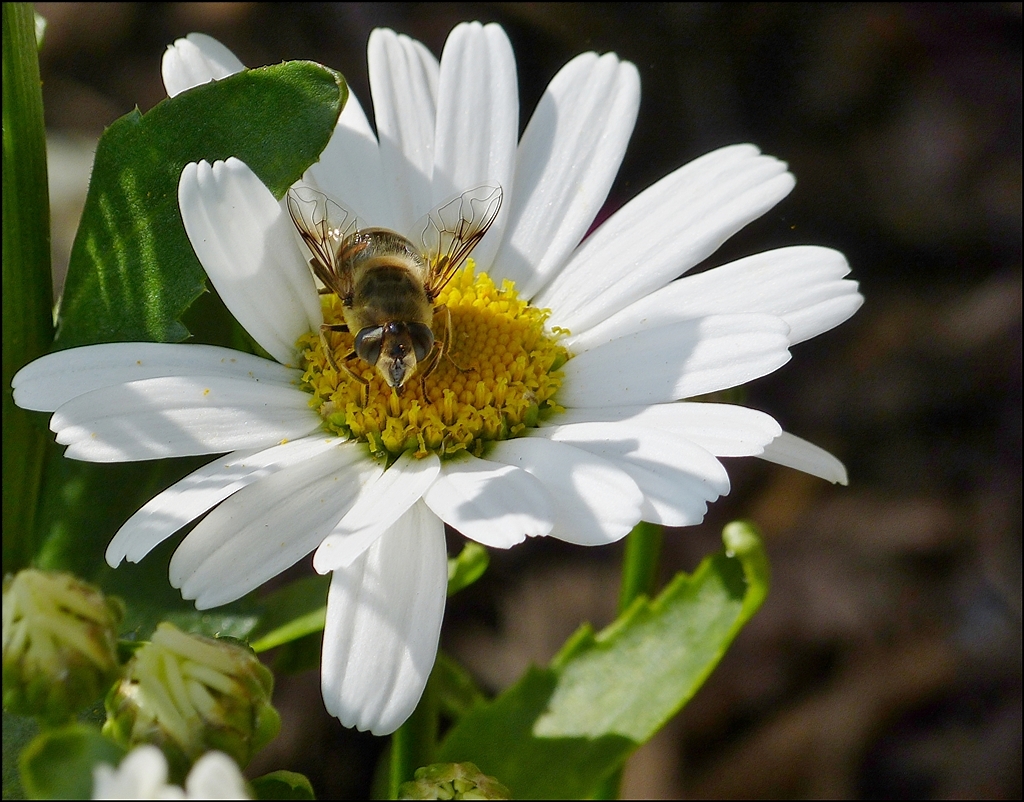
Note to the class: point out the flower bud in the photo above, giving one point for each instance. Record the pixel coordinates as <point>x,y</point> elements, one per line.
<point>188,694</point>
<point>60,644</point>
<point>452,781</point>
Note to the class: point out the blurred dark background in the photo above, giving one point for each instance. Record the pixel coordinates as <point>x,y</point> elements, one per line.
<point>887,659</point>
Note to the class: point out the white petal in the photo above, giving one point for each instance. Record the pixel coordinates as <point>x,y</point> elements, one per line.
<point>383,621</point>
<point>497,505</point>
<point>566,163</point>
<point>793,452</point>
<point>141,775</point>
<point>181,416</point>
<point>595,501</point>
<point>194,495</point>
<point>663,232</point>
<point>803,285</point>
<point>246,242</point>
<point>196,59</point>
<point>268,526</point>
<point>724,430</point>
<point>477,121</point>
<point>403,81</point>
<point>349,168</point>
<point>379,505</point>
<point>676,477</point>
<point>676,361</point>
<point>56,378</point>
<point>216,776</point>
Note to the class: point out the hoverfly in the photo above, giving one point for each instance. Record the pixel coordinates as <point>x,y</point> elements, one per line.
<point>388,286</point>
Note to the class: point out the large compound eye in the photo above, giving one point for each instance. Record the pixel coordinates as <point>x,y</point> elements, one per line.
<point>422,340</point>
<point>368,342</point>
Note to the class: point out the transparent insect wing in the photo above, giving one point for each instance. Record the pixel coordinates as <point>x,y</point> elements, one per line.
<point>449,233</point>
<point>322,222</point>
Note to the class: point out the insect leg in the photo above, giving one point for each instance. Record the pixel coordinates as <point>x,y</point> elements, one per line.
<point>441,344</point>
<point>328,351</point>
<point>364,389</point>
<point>445,349</point>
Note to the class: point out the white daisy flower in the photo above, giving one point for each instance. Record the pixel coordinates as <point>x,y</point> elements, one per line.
<point>143,775</point>
<point>559,411</point>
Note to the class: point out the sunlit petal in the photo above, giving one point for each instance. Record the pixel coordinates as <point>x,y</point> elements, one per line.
<point>380,504</point>
<point>245,241</point>
<point>597,502</point>
<point>677,478</point>
<point>793,452</point>
<point>383,621</point>
<point>403,80</point>
<point>725,430</point>
<point>56,378</point>
<point>494,504</point>
<point>196,59</point>
<point>477,121</point>
<point>349,168</point>
<point>181,416</point>
<point>268,526</point>
<point>802,285</point>
<point>201,490</point>
<point>663,232</point>
<point>565,165</point>
<point>680,360</point>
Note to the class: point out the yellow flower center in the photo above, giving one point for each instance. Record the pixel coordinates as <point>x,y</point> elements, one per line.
<point>497,377</point>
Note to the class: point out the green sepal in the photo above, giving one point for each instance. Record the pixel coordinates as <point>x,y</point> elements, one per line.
<point>58,764</point>
<point>283,785</point>
<point>452,781</point>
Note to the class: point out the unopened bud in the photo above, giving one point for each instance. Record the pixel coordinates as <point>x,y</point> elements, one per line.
<point>452,781</point>
<point>189,694</point>
<point>60,644</point>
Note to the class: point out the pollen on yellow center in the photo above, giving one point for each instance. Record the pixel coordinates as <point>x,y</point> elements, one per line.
<point>498,377</point>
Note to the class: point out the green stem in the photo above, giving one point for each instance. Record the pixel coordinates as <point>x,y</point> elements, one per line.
<point>414,743</point>
<point>27,282</point>
<point>640,563</point>
<point>639,578</point>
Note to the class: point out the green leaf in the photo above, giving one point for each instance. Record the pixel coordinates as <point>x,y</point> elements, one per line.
<point>298,655</point>
<point>559,731</point>
<point>27,286</point>
<point>150,599</point>
<point>132,272</point>
<point>457,694</point>
<point>85,504</point>
<point>18,733</point>
<point>468,567</point>
<point>131,238</point>
<point>294,611</point>
<point>58,764</point>
<point>283,785</point>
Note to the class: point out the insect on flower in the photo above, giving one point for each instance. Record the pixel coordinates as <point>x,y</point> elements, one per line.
<point>387,285</point>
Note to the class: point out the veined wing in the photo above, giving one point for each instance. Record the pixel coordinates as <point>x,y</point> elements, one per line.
<point>324,224</point>
<point>453,229</point>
